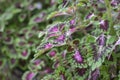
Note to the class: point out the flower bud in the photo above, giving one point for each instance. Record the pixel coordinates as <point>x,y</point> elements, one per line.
<point>77,57</point>
<point>104,25</point>
<point>101,40</point>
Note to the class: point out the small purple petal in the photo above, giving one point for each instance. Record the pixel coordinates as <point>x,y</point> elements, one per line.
<point>101,40</point>
<point>48,46</point>
<point>89,16</point>
<point>30,76</point>
<point>52,53</point>
<point>104,25</point>
<point>72,22</point>
<point>24,53</point>
<point>38,19</point>
<point>61,38</point>
<point>77,56</point>
<point>37,62</point>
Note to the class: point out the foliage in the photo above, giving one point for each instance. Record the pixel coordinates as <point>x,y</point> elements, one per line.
<point>59,39</point>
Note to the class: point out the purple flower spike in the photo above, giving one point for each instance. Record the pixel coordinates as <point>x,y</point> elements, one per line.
<point>24,53</point>
<point>48,46</point>
<point>89,16</point>
<point>52,53</point>
<point>72,22</point>
<point>101,40</point>
<point>77,56</point>
<point>104,25</point>
<point>29,76</point>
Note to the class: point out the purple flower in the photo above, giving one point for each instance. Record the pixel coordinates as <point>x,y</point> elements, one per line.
<point>30,76</point>
<point>52,53</point>
<point>101,40</point>
<point>48,46</point>
<point>60,38</point>
<point>24,53</point>
<point>90,15</point>
<point>72,22</point>
<point>104,25</point>
<point>37,62</point>
<point>77,57</point>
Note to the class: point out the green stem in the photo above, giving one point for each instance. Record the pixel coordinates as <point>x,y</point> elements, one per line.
<point>109,16</point>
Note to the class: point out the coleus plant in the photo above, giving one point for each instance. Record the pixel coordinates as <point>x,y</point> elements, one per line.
<point>63,40</point>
